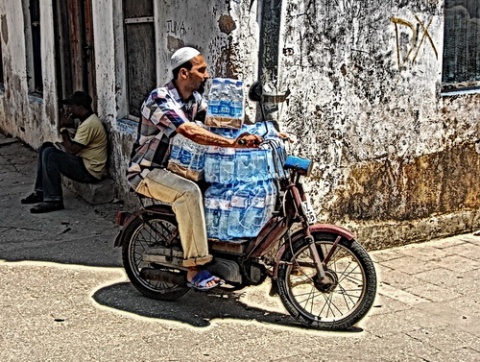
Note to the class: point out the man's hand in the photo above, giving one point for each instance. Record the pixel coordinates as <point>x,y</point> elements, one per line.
<point>248,140</point>
<point>65,120</point>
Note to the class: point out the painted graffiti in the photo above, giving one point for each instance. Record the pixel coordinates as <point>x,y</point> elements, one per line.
<point>415,44</point>
<point>175,27</point>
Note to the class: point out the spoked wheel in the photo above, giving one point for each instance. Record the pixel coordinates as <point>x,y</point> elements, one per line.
<point>143,233</point>
<point>338,301</point>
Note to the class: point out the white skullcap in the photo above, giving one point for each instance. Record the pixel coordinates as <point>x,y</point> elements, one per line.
<point>182,56</point>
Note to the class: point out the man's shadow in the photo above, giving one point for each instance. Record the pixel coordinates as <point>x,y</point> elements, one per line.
<point>197,309</point>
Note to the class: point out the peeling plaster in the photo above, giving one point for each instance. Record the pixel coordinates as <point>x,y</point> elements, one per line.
<point>226,24</point>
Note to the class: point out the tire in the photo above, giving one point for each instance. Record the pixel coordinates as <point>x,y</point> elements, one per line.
<point>140,236</point>
<point>336,307</point>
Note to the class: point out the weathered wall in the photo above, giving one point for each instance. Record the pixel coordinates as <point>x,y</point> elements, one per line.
<point>394,159</point>
<point>389,150</point>
<point>27,117</point>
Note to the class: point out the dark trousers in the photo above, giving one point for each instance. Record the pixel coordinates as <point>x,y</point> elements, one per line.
<point>51,164</point>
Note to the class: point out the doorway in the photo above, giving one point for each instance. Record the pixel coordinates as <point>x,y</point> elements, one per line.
<point>74,47</point>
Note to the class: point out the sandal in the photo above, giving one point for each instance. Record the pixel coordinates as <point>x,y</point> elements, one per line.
<point>199,281</point>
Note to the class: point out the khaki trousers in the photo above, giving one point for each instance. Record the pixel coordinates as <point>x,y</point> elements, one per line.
<point>186,200</point>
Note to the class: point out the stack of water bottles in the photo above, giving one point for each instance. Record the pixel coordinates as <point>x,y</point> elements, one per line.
<point>243,191</point>
<point>225,103</point>
<point>187,158</point>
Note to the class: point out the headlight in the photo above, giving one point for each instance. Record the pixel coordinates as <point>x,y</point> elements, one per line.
<point>302,165</point>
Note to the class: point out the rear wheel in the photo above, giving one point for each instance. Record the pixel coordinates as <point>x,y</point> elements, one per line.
<point>340,300</point>
<point>147,231</point>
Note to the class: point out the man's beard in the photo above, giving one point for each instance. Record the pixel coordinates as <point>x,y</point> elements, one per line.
<point>201,88</point>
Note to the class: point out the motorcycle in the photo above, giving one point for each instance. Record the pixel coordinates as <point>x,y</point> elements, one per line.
<point>325,279</point>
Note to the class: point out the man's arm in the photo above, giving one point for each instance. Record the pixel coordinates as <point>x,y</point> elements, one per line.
<point>203,136</point>
<point>70,146</point>
<point>64,123</point>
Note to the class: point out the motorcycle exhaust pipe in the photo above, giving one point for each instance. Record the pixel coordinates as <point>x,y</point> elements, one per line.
<point>164,276</point>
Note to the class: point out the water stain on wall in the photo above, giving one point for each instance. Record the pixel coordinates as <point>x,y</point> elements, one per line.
<point>438,183</point>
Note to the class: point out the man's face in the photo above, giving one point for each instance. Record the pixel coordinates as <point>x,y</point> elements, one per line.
<point>73,110</point>
<point>198,75</point>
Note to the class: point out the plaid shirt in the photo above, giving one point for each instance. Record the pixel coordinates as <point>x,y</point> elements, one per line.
<point>162,112</point>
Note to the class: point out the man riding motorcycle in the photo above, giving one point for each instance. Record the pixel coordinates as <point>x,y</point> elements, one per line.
<point>168,110</point>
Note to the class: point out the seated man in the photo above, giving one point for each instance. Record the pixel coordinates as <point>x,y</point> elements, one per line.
<point>82,158</point>
<point>169,110</point>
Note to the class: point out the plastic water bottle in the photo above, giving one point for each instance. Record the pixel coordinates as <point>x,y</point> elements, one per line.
<point>259,165</point>
<point>212,164</point>
<point>237,100</point>
<point>236,222</point>
<point>272,172</point>
<point>177,144</point>
<point>186,154</point>
<point>255,212</point>
<point>227,165</point>
<point>214,100</point>
<point>270,200</point>
<point>212,210</point>
<point>243,168</point>
<point>225,98</point>
<point>225,207</point>
<point>198,157</point>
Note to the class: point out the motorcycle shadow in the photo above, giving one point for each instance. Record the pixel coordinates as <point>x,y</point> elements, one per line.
<point>197,309</point>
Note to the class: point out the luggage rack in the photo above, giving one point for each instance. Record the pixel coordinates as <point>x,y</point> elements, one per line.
<point>236,247</point>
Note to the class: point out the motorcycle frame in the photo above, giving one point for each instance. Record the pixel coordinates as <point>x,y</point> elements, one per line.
<point>272,232</point>
<point>277,227</point>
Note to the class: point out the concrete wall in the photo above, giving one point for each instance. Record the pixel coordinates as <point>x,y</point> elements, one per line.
<point>394,158</point>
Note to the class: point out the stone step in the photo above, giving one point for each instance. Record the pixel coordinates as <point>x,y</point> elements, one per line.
<point>102,192</point>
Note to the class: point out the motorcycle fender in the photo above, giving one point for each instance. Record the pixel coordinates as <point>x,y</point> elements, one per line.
<point>332,229</point>
<point>119,238</point>
<point>159,209</point>
<point>317,228</point>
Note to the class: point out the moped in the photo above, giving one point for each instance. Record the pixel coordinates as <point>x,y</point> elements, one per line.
<point>325,279</point>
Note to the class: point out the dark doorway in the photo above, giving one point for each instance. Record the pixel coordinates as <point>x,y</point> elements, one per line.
<point>140,51</point>
<point>74,47</point>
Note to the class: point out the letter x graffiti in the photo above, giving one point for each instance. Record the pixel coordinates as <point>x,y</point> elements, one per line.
<point>413,46</point>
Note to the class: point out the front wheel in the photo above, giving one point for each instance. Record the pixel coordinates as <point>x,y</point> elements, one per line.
<point>145,232</point>
<point>340,300</point>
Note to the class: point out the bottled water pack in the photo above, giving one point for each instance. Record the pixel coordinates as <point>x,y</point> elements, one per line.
<point>187,158</point>
<point>243,193</point>
<point>225,103</point>
<point>239,210</point>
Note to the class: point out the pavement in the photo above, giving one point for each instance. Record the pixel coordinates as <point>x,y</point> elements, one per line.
<point>64,297</point>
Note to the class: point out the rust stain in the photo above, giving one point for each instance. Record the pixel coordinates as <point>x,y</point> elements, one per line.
<point>226,24</point>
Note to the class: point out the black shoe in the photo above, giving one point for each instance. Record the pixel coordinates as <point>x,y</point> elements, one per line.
<point>33,198</point>
<point>47,207</point>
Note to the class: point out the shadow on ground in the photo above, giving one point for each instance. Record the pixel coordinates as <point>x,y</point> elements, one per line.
<point>81,234</point>
<point>197,309</point>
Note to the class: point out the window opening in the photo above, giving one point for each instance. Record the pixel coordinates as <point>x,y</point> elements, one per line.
<point>461,55</point>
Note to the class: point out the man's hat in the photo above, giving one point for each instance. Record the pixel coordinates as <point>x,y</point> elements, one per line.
<point>183,55</point>
<point>79,98</point>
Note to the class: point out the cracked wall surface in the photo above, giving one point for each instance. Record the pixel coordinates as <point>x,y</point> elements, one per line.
<point>366,78</point>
